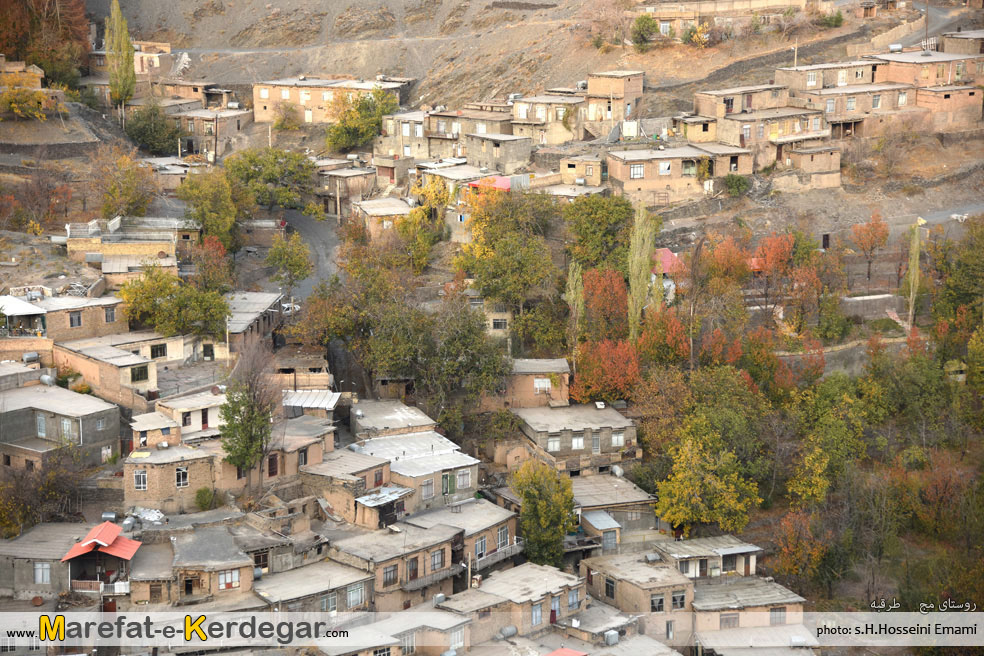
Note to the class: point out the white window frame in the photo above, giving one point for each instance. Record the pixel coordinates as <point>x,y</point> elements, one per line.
<point>464,479</point>
<point>618,438</point>
<point>481,547</point>
<point>577,442</point>
<point>541,385</point>
<point>305,96</point>
<point>264,93</point>
<point>405,129</point>
<point>637,171</point>
<point>66,427</point>
<point>811,78</point>
<point>285,94</point>
<point>418,129</point>
<point>355,595</point>
<point>329,602</point>
<point>408,643</point>
<point>41,425</point>
<point>178,478</point>
<point>457,638</point>
<point>573,599</point>
<point>140,479</point>
<point>665,168</point>
<point>228,579</point>
<point>876,101</point>
<point>502,537</point>
<point>852,103</point>
<point>42,573</point>
<point>903,98</point>
<point>427,488</point>
<point>536,614</point>
<point>553,443</point>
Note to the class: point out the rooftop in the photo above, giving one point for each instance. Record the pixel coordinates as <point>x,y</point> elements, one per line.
<point>759,640</point>
<point>409,116</point>
<point>474,114</point>
<point>461,172</point>
<point>826,66</point>
<point>416,454</point>
<point>653,153</point>
<point>49,541</point>
<point>619,73</point>
<point>344,464</point>
<point>860,88</point>
<point>309,580</point>
<point>303,431</point>
<point>208,548</point>
<point>528,582</point>
<point>721,545</point>
<point>380,546</point>
<point>920,57</point>
<point>948,87</point>
<point>572,417</point>
<point>383,495</point>
<point>387,415</point>
<point>776,112</point>
<point>499,137</point>
<point>152,421</point>
<point>249,538</point>
<point>343,83</point>
<point>473,515</point>
<point>152,562</point>
<point>601,491</point>
<point>557,100</point>
<point>748,89</point>
<point>173,453</point>
<point>54,399</point>
<point>969,34</point>
<point>570,191</point>
<point>541,366</point>
<point>349,172</point>
<point>194,401</point>
<point>634,568</point>
<point>471,600</point>
<point>600,520</point>
<point>323,399</point>
<point>213,113</point>
<point>55,303</point>
<point>438,620</point>
<point>384,207</point>
<point>246,307</point>
<point>744,592</point>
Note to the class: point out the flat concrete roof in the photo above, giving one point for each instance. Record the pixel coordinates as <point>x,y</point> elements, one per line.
<point>152,562</point>
<point>860,88</point>
<point>649,154</point>
<point>306,581</point>
<point>208,548</point>
<point>759,640</point>
<point>36,444</point>
<point>471,600</point>
<point>601,490</point>
<point>600,520</point>
<point>152,421</point>
<point>573,417</point>
<point>528,582</point>
<point>387,415</point>
<point>748,89</point>
<point>473,515</point>
<point>384,207</point>
<point>302,431</point>
<point>969,34</point>
<point>213,113</point>
<point>416,116</point>
<point>174,453</point>
<point>777,112</point>
<point>56,303</point>
<point>416,454</point>
<point>618,73</point>
<point>498,137</point>
<point>57,400</point>
<point>246,307</point>
<point>553,100</point>
<point>634,568</point>
<point>195,401</point>
<point>826,66</point>
<point>344,464</point>
<point>474,114</point>
<point>720,545</point>
<point>48,541</point>
<point>459,173</point>
<point>743,592</point>
<point>383,545</point>
<point>570,191</point>
<point>541,366</point>
<point>342,83</point>
<point>919,57</point>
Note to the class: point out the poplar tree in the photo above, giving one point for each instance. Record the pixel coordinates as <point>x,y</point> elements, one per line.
<point>119,57</point>
<point>640,264</point>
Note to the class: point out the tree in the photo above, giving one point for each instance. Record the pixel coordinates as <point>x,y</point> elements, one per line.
<point>574,295</point>
<point>775,259</point>
<point>606,371</point>
<point>799,549</point>
<point>601,226</point>
<point>286,117</point>
<point>213,271</point>
<point>44,196</point>
<point>119,57</point>
<point>248,411</point>
<point>640,267</point>
<point>643,29</point>
<point>23,102</point>
<point>52,34</point>
<point>965,283</point>
<point>605,305</point>
<point>663,401</point>
<point>126,185</point>
<point>869,237</point>
<point>291,260</point>
<point>664,337</point>
<point>274,177</point>
<point>359,120</point>
<point>159,299</point>
<point>153,130</point>
<point>546,511</point>
<point>210,205</point>
<point>46,493</point>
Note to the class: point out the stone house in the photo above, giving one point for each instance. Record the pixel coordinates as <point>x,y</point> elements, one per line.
<point>744,603</point>
<point>409,565</point>
<point>579,440</point>
<point>583,169</point>
<point>932,70</point>
<point>532,383</point>
<point>613,95</point>
<point>402,136</point>
<point>530,597</point>
<point>865,110</point>
<point>676,173</point>
<point>505,153</point>
<point>970,42</point>
<point>723,555</point>
<point>954,107</point>
<point>323,587</point>
<point>379,215</point>
<point>549,119</point>
<point>340,188</point>
<point>426,632</point>
<point>31,564</point>
<point>357,488</point>
<point>814,77</point>
<point>444,129</point>
<point>213,133</point>
<point>498,315</point>
<point>30,75</point>
<point>636,584</point>
<point>208,564</point>
<point>819,159</point>
<point>694,128</point>
<point>114,374</point>
<point>313,100</point>
<point>253,316</point>
<point>197,414</point>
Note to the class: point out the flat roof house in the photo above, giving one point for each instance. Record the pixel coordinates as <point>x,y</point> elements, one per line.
<point>722,555</point>
<point>31,564</point>
<point>357,488</point>
<point>549,119</point>
<point>533,383</point>
<point>613,95</point>
<point>384,418</point>
<point>379,215</point>
<point>312,99</point>
<point>253,317</point>
<point>324,587</point>
<point>209,565</point>
<point>114,374</point>
<point>676,173</point>
<point>505,153</point>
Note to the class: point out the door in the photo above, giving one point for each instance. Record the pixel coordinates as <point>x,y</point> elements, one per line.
<point>109,606</point>
<point>746,101</point>
<point>189,587</point>
<point>155,593</point>
<point>308,116</point>
<point>841,78</point>
<point>702,567</point>
<point>204,418</point>
<point>554,609</point>
<point>412,569</point>
<point>748,562</point>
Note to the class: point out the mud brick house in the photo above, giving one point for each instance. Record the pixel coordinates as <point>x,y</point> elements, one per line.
<point>253,317</point>
<point>402,136</point>
<point>970,42</point>
<point>929,70</point>
<point>813,77</point>
<point>114,373</point>
<point>549,119</point>
<point>197,414</point>
<point>505,153</point>
<point>320,587</point>
<point>866,110</point>
<point>710,557</point>
<point>213,133</point>
<point>952,107</point>
<point>613,95</point>
<point>340,188</point>
<point>379,215</point>
<point>583,169</point>
<point>208,564</point>
<point>383,418</point>
<point>532,383</point>
<point>314,100</point>
<point>28,75</point>
<point>357,488</point>
<point>445,129</point>
<point>656,176</point>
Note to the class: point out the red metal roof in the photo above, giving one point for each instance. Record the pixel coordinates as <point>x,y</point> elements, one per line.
<point>105,538</point>
<point>668,259</point>
<point>497,182</point>
<point>567,651</point>
<point>756,263</point>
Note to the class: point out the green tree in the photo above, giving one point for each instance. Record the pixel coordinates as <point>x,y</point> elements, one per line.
<point>274,177</point>
<point>127,187</point>
<point>601,226</point>
<point>291,260</point>
<point>547,511</point>
<point>360,119</point>
<point>247,414</point>
<point>641,244</point>
<point>574,295</point>
<point>210,205</point>
<point>159,299</point>
<point>643,29</point>
<point>965,283</point>
<point>119,57</point>
<point>153,131</point>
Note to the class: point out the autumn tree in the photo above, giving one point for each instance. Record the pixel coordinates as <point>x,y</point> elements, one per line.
<point>605,305</point>
<point>127,187</point>
<point>20,101</point>
<point>291,261</point>
<point>641,241</point>
<point>422,227</point>
<point>42,494</point>
<point>774,257</point>
<point>274,177</point>
<point>51,34</point>
<point>247,414</point>
<point>663,400</point>
<point>213,271</point>
<point>119,57</point>
<point>800,548</point>
<point>869,237</point>
<point>359,120</point>
<point>44,196</point>
<point>601,226</point>
<point>574,295</point>
<point>606,371</point>
<point>546,513</point>
<point>664,337</point>
<point>160,300</point>
<point>210,205</point>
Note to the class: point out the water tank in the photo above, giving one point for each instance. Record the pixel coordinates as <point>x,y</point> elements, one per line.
<point>440,598</point>
<point>352,157</point>
<point>109,516</point>
<point>128,524</point>
<point>611,637</point>
<point>233,105</point>
<point>507,632</point>
<point>30,356</point>
<point>257,573</point>
<point>162,445</point>
<point>895,47</point>
<point>47,380</point>
<point>617,471</point>
<point>515,96</point>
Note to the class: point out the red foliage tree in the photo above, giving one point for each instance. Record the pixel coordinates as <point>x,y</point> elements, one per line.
<point>729,260</point>
<point>606,309</point>
<point>606,371</point>
<point>212,269</point>
<point>869,237</point>
<point>664,339</point>
<point>775,259</point>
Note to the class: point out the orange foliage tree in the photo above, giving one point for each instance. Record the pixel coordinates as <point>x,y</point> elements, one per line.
<point>606,370</point>
<point>605,305</point>
<point>775,261</point>
<point>664,338</point>
<point>870,236</point>
<point>800,549</point>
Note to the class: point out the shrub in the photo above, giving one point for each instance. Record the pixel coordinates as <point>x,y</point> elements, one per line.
<point>643,29</point>
<point>832,325</point>
<point>832,20</point>
<point>912,190</point>
<point>737,184</point>
<point>204,498</point>
<point>598,41</point>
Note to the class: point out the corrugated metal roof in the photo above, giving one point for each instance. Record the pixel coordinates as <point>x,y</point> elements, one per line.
<point>384,495</point>
<point>600,520</point>
<point>325,399</point>
<point>246,307</point>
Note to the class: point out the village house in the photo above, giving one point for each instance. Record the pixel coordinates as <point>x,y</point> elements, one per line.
<point>814,77</point>
<point>549,119</point>
<point>402,137</point>
<point>970,42</point>
<point>865,110</point>
<point>929,68</point>
<point>384,418</point>
<point>489,531</point>
<point>498,316</point>
<point>120,257</point>
<point>213,133</point>
<point>314,402</point>
<point>505,153</point>
<point>586,170</point>
<point>197,414</point>
<point>340,188</point>
<point>531,598</point>
<point>409,565</point>
<point>426,632</point>
<point>313,100</point>
<point>152,578</point>
<point>320,587</point>
<point>356,488</point>
<point>636,583</point>
<point>694,128</point>
<point>113,373</point>
<point>379,215</point>
<point>723,555</point>
<point>299,367</point>
<point>427,463</point>
<point>208,564</point>
<point>613,95</point>
<point>444,129</point>
<point>28,76</point>
<point>744,603</point>
<point>61,318</point>
<point>533,383</point>
<point>953,107</point>
<point>579,440</point>
<point>253,316</point>
<point>206,93</point>
<point>170,106</point>
<point>677,173</point>
<point>818,165</point>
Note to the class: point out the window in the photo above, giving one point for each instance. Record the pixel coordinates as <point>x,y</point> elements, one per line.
<point>355,595</point>
<point>761,130</point>
<point>186,419</point>
<point>633,515</point>
<point>618,438</point>
<point>811,79</point>
<point>499,324</point>
<point>390,575</point>
<point>841,78</point>
<point>41,426</point>
<point>437,560</point>
<point>464,479</point>
<point>305,96</point>
<point>777,616</point>
<point>408,643</point>
<point>636,171</point>
<point>940,70</point>
<point>457,638</point>
<point>589,170</point>
<point>729,563</point>
<point>272,463</point>
<point>285,94</point>
<point>381,651</point>
<point>75,319</point>
<point>418,129</point>
<point>209,127</point>
<point>679,599</point>
<point>902,98</point>
<point>264,93</point>
<point>110,314</point>
<point>228,579</point>
<point>816,122</point>
<point>405,129</point>
<point>240,473</point>
<point>412,569</point>
<point>572,599</point>
<point>158,351</point>
<point>577,442</point>
<point>537,615</point>
<point>669,630</point>
<point>684,566</point>
<point>665,168</point>
<point>831,105</point>
<point>139,479</point>
<point>852,102</point>
<point>541,112</point>
<point>261,559</point>
<point>746,132</point>
<point>480,547</point>
<point>302,457</point>
<point>728,621</point>
<point>657,603</point>
<point>29,465</point>
<point>6,460</point>
<point>377,478</point>
<point>502,539</point>
<point>66,427</point>
<point>181,477</point>
<point>541,385</point>
<point>329,602</point>
<point>138,374</point>
<point>42,573</point>
<point>427,489</point>
<point>596,442</point>
<point>166,430</point>
<point>143,438</point>
<point>876,101</point>
<point>610,588</point>
<point>553,443</point>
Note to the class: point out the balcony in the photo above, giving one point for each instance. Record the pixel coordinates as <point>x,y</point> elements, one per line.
<point>424,581</point>
<point>434,134</point>
<point>499,555</point>
<point>800,136</point>
<point>100,588</point>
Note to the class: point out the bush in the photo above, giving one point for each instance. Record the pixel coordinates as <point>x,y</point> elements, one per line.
<point>598,41</point>
<point>643,29</point>
<point>737,184</point>
<point>204,498</point>
<point>153,131</point>
<point>832,20</point>
<point>832,324</point>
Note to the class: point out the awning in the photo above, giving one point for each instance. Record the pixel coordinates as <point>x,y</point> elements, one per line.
<point>15,307</point>
<point>107,539</point>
